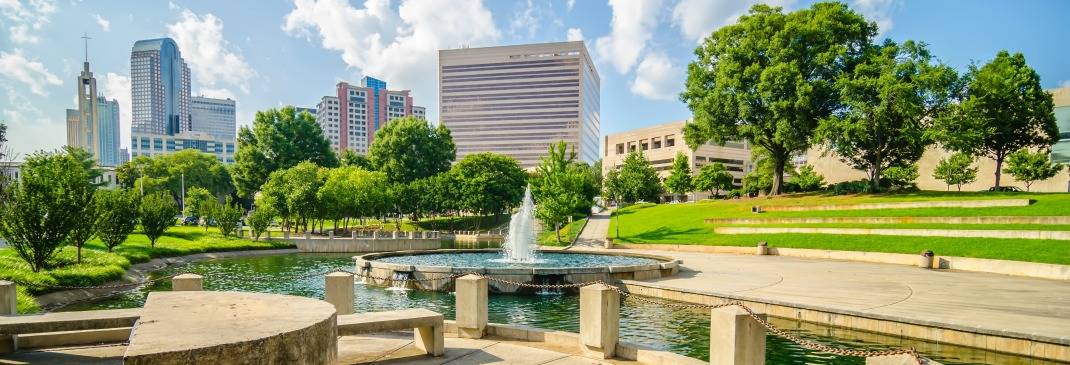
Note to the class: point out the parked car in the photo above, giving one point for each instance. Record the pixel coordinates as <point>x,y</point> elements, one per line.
<point>1005,188</point>
<point>190,221</point>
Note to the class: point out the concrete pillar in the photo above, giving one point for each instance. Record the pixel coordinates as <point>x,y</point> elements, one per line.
<point>412,234</point>
<point>394,234</point>
<point>338,290</point>
<point>330,234</point>
<point>926,259</point>
<point>471,295</point>
<point>353,234</point>
<point>187,282</point>
<point>763,248</point>
<point>375,234</point>
<point>736,338</point>
<point>8,307</point>
<point>599,321</point>
<point>430,340</point>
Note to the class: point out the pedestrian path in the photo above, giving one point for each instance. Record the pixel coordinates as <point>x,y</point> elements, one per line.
<point>594,233</point>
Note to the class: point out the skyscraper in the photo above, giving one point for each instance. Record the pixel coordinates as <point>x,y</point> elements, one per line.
<point>108,131</point>
<point>351,117</point>
<point>517,100</point>
<point>213,116</point>
<point>82,123</point>
<point>160,88</point>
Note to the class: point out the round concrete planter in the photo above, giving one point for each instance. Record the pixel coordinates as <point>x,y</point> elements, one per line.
<point>382,271</point>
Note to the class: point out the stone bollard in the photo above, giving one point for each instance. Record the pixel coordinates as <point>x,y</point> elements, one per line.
<point>330,234</point>
<point>763,248</point>
<point>338,290</point>
<point>353,234</point>
<point>9,306</point>
<point>926,260</point>
<point>735,337</point>
<point>412,234</point>
<point>599,321</point>
<point>375,234</point>
<point>394,234</point>
<point>187,282</point>
<point>471,295</point>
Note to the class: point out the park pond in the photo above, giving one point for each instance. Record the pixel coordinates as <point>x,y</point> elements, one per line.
<point>681,331</point>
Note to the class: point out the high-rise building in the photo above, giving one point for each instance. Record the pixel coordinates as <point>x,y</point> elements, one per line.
<point>82,123</point>
<point>147,144</point>
<point>108,130</point>
<point>213,116</point>
<point>517,100</point>
<point>351,117</point>
<point>160,88</point>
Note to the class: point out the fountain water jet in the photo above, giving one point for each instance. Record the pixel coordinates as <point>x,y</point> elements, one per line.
<point>520,245</point>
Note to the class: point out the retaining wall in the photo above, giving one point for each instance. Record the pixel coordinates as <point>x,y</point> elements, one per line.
<point>978,233</point>
<point>987,203</point>
<point>357,245</point>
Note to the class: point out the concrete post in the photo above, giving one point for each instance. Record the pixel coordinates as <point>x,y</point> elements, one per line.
<point>187,282</point>
<point>599,321</point>
<point>375,234</point>
<point>763,248</point>
<point>471,295</point>
<point>736,338</point>
<point>8,307</point>
<point>308,235</point>
<point>926,259</point>
<point>353,234</point>
<point>394,234</point>
<point>330,234</point>
<point>338,290</point>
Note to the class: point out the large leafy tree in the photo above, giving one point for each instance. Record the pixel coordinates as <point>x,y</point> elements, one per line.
<point>173,172</point>
<point>637,180</point>
<point>679,180</point>
<point>409,148</point>
<point>490,183</point>
<point>771,77</point>
<point>260,219</point>
<point>279,139</point>
<point>956,169</point>
<point>1029,167</point>
<point>713,178</point>
<point>888,99</point>
<point>117,212</point>
<point>45,205</point>
<point>198,202</point>
<point>349,158</point>
<point>561,187</point>
<point>227,216</point>
<point>352,192</point>
<point>293,193</point>
<point>156,214</point>
<point>1003,110</point>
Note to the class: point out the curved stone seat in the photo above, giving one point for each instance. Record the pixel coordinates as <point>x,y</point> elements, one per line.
<point>233,328</point>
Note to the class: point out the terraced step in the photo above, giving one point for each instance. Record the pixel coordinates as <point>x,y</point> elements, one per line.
<point>895,220</point>
<point>975,233</point>
<point>986,203</point>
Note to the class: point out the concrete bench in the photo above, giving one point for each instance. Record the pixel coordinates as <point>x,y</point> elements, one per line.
<point>69,321</point>
<point>427,325</point>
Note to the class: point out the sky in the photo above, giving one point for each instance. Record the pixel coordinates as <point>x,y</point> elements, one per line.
<point>272,53</point>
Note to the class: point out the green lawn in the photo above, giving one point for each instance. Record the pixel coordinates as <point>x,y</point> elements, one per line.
<point>568,233</point>
<point>99,266</point>
<point>684,224</point>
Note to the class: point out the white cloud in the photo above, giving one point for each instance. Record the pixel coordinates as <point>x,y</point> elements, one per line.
<point>698,18</point>
<point>117,87</point>
<point>26,17</point>
<point>570,4</point>
<point>33,74</point>
<point>398,46</point>
<point>216,93</point>
<point>172,6</point>
<point>525,20</point>
<point>103,23</point>
<point>211,59</point>
<point>657,78</point>
<point>632,27</point>
<point>23,118</point>
<point>575,34</point>
<point>879,11</point>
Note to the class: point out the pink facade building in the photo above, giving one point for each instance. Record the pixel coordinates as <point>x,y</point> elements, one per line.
<point>351,117</point>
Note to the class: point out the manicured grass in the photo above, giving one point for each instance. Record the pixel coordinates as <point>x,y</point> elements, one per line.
<point>684,224</point>
<point>99,266</point>
<point>568,233</point>
<point>1012,227</point>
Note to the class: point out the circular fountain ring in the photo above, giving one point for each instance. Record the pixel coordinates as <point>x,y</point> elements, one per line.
<point>559,267</point>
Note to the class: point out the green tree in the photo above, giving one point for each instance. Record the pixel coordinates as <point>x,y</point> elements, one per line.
<point>888,99</point>
<point>409,148</point>
<point>84,230</point>
<point>293,193</point>
<point>1004,110</point>
<point>117,213</point>
<point>900,177</point>
<point>760,179</point>
<point>349,158</point>
<point>771,77</point>
<point>279,139</point>
<point>611,186</point>
<point>806,179</point>
<point>1029,167</point>
<point>956,169</point>
<point>679,180</point>
<point>42,208</point>
<point>157,214</point>
<point>198,202</point>
<point>85,159</point>
<point>260,219</point>
<point>172,172</point>
<point>562,187</point>
<point>227,216</point>
<point>490,183</point>
<point>713,178</point>
<point>638,180</point>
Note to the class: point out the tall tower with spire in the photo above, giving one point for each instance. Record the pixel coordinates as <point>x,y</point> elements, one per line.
<point>82,130</point>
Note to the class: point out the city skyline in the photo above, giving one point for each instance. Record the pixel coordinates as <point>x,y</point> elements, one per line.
<point>297,51</point>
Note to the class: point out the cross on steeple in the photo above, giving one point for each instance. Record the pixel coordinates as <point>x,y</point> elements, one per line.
<point>85,36</point>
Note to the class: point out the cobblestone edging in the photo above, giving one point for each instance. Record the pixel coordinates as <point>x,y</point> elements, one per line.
<point>985,203</point>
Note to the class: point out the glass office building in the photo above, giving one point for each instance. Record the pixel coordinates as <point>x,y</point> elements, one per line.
<point>518,100</point>
<point>159,87</point>
<point>213,116</point>
<point>1060,152</point>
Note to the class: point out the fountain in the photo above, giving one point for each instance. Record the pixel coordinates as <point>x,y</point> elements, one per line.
<point>520,244</point>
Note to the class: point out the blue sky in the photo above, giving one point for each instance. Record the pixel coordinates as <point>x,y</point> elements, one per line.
<point>270,53</point>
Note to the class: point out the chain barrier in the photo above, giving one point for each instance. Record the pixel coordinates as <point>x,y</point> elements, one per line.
<point>807,344</point>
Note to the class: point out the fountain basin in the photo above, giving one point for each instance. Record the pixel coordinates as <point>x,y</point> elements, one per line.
<point>555,267</point>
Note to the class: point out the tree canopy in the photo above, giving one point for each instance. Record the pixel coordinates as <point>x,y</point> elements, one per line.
<point>957,169</point>
<point>279,139</point>
<point>637,180</point>
<point>170,171</point>
<point>1004,109</point>
<point>1029,167</point>
<point>770,77</point>
<point>490,183</point>
<point>561,187</point>
<point>713,178</point>
<point>679,180</point>
<point>409,148</point>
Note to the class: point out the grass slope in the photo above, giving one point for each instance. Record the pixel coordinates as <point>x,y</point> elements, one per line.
<point>683,224</point>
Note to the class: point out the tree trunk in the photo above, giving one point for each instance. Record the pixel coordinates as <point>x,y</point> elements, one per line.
<point>79,254</point>
<point>557,229</point>
<point>874,178</point>
<point>999,167</point>
<point>778,175</point>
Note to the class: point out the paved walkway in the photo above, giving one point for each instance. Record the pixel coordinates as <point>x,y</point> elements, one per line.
<point>594,233</point>
<point>1036,308</point>
<point>394,348</point>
